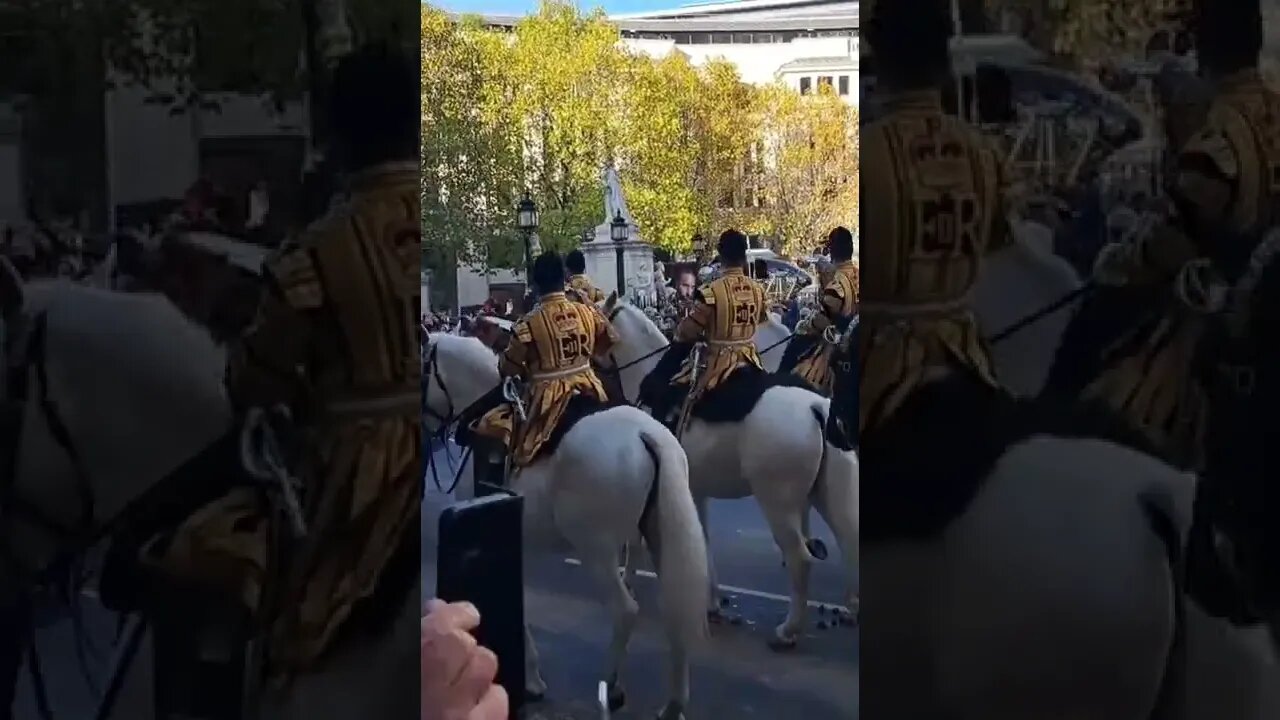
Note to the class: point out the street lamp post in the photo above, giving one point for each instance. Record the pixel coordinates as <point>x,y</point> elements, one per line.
<point>618,231</point>
<point>527,221</point>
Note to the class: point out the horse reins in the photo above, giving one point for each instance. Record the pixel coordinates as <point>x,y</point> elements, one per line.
<point>431,372</point>
<point>34,357</point>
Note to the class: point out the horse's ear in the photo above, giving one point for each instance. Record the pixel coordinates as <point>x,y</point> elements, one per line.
<point>11,291</point>
<point>611,301</point>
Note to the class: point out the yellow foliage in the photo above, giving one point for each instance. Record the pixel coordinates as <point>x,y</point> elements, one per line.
<point>546,106</point>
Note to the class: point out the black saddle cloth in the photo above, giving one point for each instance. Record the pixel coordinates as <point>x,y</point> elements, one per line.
<point>579,407</point>
<point>201,480</point>
<point>731,401</point>
<point>935,453</point>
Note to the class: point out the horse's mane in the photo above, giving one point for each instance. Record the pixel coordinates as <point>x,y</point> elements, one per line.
<point>647,326</point>
<point>469,348</point>
<point>142,334</point>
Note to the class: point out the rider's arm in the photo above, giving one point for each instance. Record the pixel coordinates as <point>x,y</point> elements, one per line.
<point>267,366</point>
<point>831,302</point>
<point>515,359</point>
<point>695,324</point>
<point>1207,175</point>
<point>606,336</point>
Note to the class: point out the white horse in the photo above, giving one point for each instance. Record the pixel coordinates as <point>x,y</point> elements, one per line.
<point>779,454</point>
<point>1054,600</point>
<point>771,341</point>
<point>1021,279</point>
<point>592,491</point>
<point>139,390</point>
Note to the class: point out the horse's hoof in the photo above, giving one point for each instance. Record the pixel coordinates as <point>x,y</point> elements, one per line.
<point>617,698</point>
<point>535,691</point>
<point>716,616</point>
<point>782,642</point>
<point>671,712</point>
<point>817,548</point>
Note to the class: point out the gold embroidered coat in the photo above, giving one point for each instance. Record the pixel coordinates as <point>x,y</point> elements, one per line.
<point>581,288</point>
<point>551,350</point>
<point>336,340</point>
<point>1227,177</point>
<point>726,313</point>
<point>934,212</point>
<point>839,303</point>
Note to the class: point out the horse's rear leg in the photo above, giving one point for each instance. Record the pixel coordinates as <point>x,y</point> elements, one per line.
<point>534,686</point>
<point>831,503</point>
<point>715,602</point>
<point>786,525</point>
<point>603,564</point>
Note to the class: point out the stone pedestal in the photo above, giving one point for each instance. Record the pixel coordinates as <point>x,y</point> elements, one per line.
<point>602,263</point>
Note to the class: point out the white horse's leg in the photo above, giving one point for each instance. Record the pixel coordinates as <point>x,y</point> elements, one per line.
<point>534,686</point>
<point>786,525</point>
<point>713,589</point>
<point>603,564</point>
<point>835,499</point>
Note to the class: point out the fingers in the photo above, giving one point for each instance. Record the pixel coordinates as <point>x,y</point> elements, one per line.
<point>459,616</point>
<point>478,675</point>
<point>446,644</point>
<point>493,706</point>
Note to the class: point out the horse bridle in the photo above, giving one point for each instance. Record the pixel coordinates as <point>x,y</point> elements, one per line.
<point>25,358</point>
<point>431,373</point>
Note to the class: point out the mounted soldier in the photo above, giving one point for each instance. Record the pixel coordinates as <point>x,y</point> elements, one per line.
<point>1224,188</point>
<point>943,180</point>
<point>580,286</point>
<point>550,353</point>
<point>811,358</point>
<point>336,343</point>
<point>726,313</point>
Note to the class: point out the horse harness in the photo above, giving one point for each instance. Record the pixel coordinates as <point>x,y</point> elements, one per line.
<point>26,359</point>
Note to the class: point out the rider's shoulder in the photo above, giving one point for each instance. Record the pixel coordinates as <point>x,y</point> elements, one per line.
<point>296,276</point>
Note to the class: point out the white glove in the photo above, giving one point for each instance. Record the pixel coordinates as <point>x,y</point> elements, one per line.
<point>1114,264</point>
<point>1199,288</point>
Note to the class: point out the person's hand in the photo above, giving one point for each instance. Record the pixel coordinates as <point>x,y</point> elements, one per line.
<point>458,674</point>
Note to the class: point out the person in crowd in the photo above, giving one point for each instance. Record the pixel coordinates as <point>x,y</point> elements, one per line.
<point>726,314</point>
<point>580,287</point>
<point>335,342</point>
<point>915,300</point>
<point>551,350</point>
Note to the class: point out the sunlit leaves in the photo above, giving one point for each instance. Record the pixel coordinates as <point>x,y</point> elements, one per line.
<point>546,106</point>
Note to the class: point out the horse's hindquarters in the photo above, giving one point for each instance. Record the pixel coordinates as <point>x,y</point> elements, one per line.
<point>1054,595</point>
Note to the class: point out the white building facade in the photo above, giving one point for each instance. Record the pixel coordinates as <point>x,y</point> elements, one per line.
<point>801,43</point>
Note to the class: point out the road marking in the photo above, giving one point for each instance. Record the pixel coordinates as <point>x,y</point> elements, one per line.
<point>736,590</point>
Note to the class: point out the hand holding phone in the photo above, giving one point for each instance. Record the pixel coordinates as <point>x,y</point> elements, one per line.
<point>457,673</point>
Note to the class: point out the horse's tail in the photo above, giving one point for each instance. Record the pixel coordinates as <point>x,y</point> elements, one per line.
<point>835,494</point>
<point>675,536</point>
<point>1160,514</point>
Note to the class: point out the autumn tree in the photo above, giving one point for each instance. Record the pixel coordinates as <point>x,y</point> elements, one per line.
<point>811,173</point>
<point>546,106</point>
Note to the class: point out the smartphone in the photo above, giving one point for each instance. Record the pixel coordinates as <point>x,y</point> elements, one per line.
<point>480,560</point>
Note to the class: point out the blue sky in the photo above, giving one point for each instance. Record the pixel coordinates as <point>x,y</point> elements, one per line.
<point>523,7</point>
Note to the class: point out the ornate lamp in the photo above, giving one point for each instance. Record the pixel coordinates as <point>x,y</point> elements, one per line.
<point>618,231</point>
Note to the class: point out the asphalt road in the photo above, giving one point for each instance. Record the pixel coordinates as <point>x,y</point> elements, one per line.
<point>736,676</point>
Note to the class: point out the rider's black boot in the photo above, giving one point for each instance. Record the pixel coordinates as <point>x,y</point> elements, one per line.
<point>200,652</point>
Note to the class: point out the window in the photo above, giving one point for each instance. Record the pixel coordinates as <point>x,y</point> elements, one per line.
<point>742,38</point>
<point>825,80</point>
<point>806,85</point>
<point>721,38</point>
<point>844,86</point>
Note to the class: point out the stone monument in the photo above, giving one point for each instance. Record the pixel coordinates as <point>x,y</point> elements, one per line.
<point>601,250</point>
